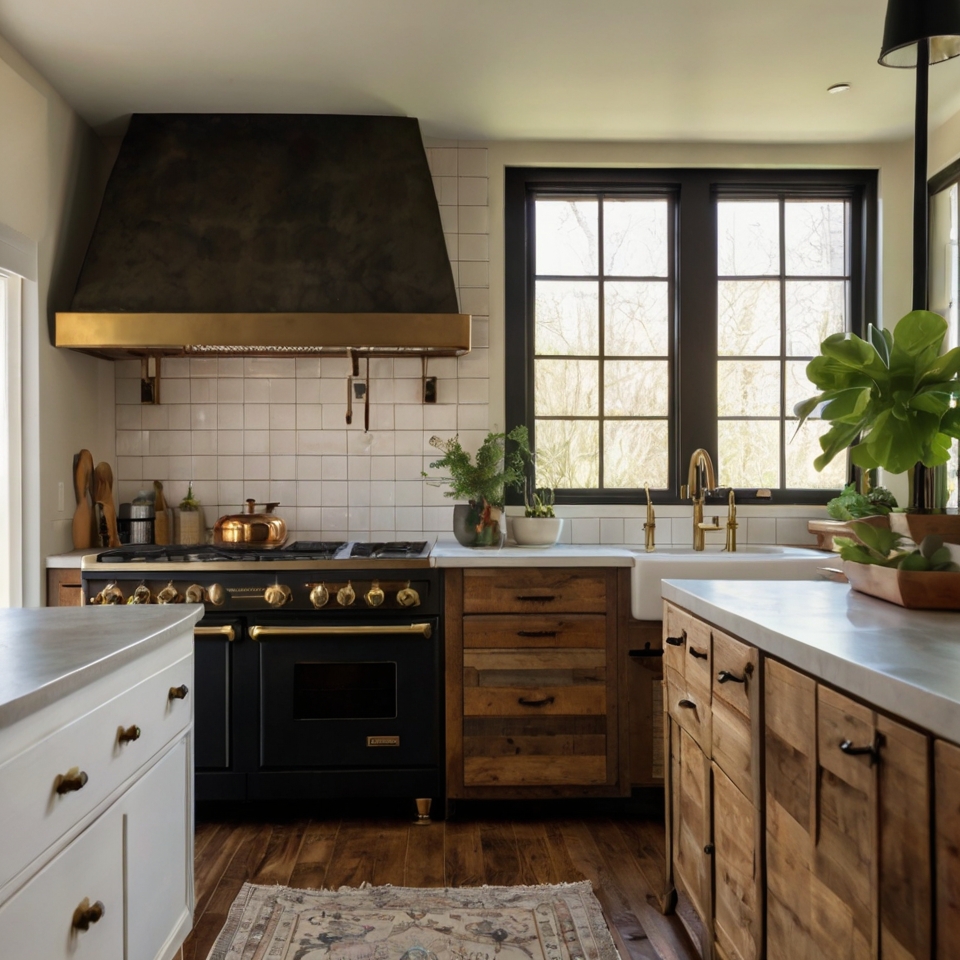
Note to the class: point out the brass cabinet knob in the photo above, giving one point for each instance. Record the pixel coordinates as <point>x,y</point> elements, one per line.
<point>216,594</point>
<point>179,693</point>
<point>110,594</point>
<point>87,913</point>
<point>320,595</point>
<point>346,595</point>
<point>74,779</point>
<point>194,594</point>
<point>129,735</point>
<point>141,595</point>
<point>408,597</point>
<point>169,594</point>
<point>374,596</point>
<point>278,595</point>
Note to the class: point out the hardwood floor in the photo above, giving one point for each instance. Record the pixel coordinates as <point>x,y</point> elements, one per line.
<point>622,856</point>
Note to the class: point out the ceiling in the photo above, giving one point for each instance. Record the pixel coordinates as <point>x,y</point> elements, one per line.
<point>736,70</point>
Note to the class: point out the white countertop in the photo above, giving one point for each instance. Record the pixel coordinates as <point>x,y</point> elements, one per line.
<point>905,662</point>
<point>449,553</point>
<point>49,652</point>
<point>70,560</point>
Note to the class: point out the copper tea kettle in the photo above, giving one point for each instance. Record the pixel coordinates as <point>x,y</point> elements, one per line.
<point>249,529</point>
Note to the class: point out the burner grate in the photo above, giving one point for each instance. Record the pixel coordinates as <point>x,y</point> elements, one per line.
<point>394,549</point>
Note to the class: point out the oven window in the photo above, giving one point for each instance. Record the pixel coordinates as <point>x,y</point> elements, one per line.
<point>344,691</point>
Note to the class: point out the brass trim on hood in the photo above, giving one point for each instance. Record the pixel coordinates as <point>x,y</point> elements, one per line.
<point>118,336</point>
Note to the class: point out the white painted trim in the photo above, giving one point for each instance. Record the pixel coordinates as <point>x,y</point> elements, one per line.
<point>18,254</point>
<point>11,434</point>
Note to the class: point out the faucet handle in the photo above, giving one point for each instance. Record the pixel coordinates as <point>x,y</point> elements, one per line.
<point>684,491</point>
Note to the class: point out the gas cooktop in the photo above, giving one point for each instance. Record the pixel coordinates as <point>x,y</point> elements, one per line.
<point>302,551</point>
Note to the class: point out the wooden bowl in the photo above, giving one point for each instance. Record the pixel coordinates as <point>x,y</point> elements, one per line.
<point>914,589</point>
<point>826,530</point>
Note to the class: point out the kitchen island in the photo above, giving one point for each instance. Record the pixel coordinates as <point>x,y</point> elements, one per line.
<point>96,807</point>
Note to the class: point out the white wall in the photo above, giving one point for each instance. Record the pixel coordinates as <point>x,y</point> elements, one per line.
<point>52,169</point>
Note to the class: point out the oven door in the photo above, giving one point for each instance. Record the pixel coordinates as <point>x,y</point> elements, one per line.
<point>349,695</point>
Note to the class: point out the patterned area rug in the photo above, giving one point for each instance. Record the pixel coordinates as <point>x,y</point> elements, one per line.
<point>558,922</point>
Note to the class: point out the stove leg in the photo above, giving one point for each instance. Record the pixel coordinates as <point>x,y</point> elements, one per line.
<point>423,811</point>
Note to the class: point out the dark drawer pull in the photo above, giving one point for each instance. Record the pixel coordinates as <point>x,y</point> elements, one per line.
<point>71,781</point>
<point>687,704</point>
<point>129,735</point>
<point>678,641</point>
<point>87,913</point>
<point>725,676</point>
<point>708,849</point>
<point>543,599</point>
<point>697,655</point>
<point>872,750</point>
<point>645,653</point>
<point>179,693</point>
<point>546,701</point>
<point>537,633</point>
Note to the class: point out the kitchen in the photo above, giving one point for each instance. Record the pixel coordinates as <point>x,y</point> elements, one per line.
<point>372,488</point>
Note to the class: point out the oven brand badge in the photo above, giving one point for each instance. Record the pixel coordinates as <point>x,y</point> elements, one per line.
<point>383,741</point>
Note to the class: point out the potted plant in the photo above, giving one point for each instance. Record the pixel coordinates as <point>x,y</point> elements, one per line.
<point>879,562</point>
<point>873,507</point>
<point>482,482</point>
<point>539,526</point>
<point>888,399</point>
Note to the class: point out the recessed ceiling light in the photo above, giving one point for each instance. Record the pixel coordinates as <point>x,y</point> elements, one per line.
<point>839,88</point>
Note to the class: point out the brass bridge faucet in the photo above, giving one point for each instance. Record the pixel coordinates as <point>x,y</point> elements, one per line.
<point>701,477</point>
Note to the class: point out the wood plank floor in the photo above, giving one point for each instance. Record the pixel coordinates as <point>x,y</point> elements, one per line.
<point>621,855</point>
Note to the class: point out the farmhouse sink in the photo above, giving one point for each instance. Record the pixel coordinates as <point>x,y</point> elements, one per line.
<point>750,562</point>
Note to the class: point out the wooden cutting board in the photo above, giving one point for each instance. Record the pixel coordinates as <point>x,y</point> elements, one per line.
<point>103,494</point>
<point>85,517</point>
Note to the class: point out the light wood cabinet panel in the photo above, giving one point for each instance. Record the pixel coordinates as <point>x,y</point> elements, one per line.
<point>64,588</point>
<point>535,632</point>
<point>534,590</point>
<point>738,896</point>
<point>680,630</point>
<point>691,711</point>
<point>947,844</point>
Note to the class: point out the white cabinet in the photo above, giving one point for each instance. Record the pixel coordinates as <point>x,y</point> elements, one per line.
<point>102,870</point>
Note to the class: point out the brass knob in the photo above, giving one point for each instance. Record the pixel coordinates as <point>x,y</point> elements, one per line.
<point>110,594</point>
<point>277,595</point>
<point>129,735</point>
<point>141,595</point>
<point>169,594</point>
<point>194,593</point>
<point>216,594</point>
<point>87,913</point>
<point>74,779</point>
<point>346,595</point>
<point>179,693</point>
<point>320,595</point>
<point>374,596</point>
<point>408,597</point>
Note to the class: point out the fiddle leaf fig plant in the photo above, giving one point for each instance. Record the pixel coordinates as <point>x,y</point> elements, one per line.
<point>890,398</point>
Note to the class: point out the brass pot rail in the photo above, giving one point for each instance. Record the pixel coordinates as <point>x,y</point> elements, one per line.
<point>423,629</point>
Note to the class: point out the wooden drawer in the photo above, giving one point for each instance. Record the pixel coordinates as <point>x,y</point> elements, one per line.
<point>689,711</point>
<point>37,921</point>
<point>525,701</point>
<point>681,633</point>
<point>736,710</point>
<point>34,815</point>
<point>534,590</point>
<point>736,676</point>
<point>506,632</point>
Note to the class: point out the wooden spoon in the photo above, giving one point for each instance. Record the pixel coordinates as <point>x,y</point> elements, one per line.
<point>84,519</point>
<point>103,494</point>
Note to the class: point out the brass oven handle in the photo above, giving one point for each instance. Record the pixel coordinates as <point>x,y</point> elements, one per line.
<point>224,631</point>
<point>256,633</point>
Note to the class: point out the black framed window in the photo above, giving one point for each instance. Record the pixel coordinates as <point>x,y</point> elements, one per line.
<point>651,312</point>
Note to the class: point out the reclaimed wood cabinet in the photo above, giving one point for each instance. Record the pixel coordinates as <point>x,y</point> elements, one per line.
<point>532,685</point>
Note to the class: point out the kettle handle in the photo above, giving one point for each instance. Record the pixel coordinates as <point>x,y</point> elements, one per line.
<point>252,506</point>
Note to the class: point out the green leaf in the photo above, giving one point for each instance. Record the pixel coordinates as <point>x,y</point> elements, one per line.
<point>861,456</point>
<point>847,404</point>
<point>943,368</point>
<point>895,443</point>
<point>851,351</point>
<point>918,330</point>
<point>804,408</point>
<point>879,342</point>
<point>950,424</point>
<point>835,440</point>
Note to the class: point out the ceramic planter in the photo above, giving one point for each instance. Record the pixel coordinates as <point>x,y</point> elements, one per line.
<point>536,531</point>
<point>477,524</point>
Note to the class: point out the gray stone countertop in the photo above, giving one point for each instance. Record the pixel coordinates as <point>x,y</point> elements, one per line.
<point>905,662</point>
<point>49,652</point>
<point>449,553</point>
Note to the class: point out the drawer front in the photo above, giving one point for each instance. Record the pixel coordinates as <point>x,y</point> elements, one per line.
<point>526,701</point>
<point>681,633</point>
<point>736,676</point>
<point>534,631</point>
<point>532,590</point>
<point>35,815</point>
<point>692,864</point>
<point>688,710</point>
<point>38,920</point>
<point>733,748</point>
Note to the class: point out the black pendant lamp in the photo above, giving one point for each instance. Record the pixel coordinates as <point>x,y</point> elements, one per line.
<point>918,33</point>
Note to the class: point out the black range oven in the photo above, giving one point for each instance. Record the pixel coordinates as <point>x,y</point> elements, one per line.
<point>317,667</point>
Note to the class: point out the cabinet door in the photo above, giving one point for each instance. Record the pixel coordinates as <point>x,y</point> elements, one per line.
<point>159,857</point>
<point>947,766</point>
<point>690,822</point>
<point>738,898</point>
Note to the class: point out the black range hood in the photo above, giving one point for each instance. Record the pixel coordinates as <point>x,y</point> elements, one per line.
<point>246,234</point>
